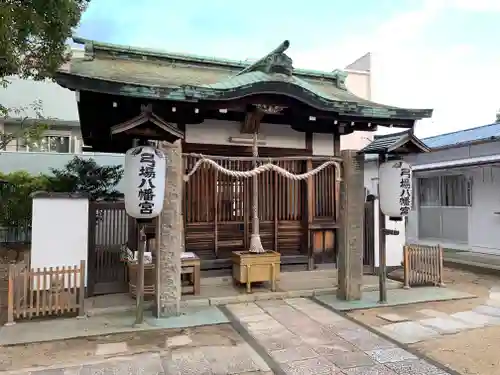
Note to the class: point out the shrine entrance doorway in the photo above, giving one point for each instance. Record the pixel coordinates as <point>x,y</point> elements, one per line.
<point>217,207</point>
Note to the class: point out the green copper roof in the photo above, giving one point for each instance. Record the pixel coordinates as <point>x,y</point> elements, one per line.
<point>162,75</point>
<point>93,48</point>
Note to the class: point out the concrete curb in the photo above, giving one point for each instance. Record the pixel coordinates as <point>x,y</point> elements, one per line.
<point>242,298</point>
<point>472,266</point>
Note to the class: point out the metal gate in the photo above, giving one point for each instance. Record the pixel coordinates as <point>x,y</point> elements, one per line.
<point>108,231</point>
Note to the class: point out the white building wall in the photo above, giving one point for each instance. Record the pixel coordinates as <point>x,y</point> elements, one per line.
<point>59,232</point>
<point>483,220</point>
<point>483,214</point>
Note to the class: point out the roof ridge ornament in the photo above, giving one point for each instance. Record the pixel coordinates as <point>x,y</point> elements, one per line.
<point>274,62</point>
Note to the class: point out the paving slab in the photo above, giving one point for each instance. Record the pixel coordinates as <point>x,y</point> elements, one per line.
<point>415,367</point>
<point>495,295</point>
<point>311,366</point>
<point>475,320</point>
<point>393,318</point>
<point>233,360</point>
<point>492,302</point>
<point>395,297</point>
<point>335,347</point>
<point>365,340</point>
<point>445,325</point>
<point>293,354</point>
<point>308,345</point>
<point>390,355</point>
<point>111,348</point>
<point>180,340</point>
<point>433,313</point>
<point>408,332</point>
<point>488,310</point>
<point>370,370</point>
<point>350,359</point>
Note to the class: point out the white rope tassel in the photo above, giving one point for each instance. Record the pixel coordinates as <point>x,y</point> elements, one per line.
<point>255,242</point>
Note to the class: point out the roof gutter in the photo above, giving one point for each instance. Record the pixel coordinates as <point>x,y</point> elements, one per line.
<point>452,164</point>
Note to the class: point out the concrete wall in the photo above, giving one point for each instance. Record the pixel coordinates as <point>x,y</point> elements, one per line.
<point>59,233</point>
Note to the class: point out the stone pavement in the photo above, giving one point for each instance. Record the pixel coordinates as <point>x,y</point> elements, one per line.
<point>305,338</point>
<point>294,336</point>
<point>208,361</point>
<point>184,354</point>
<point>433,323</point>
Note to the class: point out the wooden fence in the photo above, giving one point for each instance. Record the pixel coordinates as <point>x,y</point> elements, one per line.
<point>423,265</point>
<point>45,291</point>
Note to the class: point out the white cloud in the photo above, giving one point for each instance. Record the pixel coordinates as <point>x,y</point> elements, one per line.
<point>408,71</point>
<point>475,5</point>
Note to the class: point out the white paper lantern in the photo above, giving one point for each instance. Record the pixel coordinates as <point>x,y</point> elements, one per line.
<point>144,179</point>
<point>395,188</point>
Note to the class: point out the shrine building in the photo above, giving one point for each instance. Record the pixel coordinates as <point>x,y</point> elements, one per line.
<point>212,106</point>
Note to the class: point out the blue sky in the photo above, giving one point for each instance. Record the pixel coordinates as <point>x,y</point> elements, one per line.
<point>440,54</point>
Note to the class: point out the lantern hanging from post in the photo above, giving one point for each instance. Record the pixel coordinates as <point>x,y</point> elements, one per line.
<point>144,179</point>
<point>395,189</point>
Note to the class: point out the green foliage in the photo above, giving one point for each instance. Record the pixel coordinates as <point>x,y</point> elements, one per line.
<point>15,201</point>
<point>33,35</point>
<point>78,176</point>
<point>86,176</point>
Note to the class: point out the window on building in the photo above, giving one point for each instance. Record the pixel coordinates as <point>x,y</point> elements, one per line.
<point>428,190</point>
<point>51,143</point>
<point>445,191</point>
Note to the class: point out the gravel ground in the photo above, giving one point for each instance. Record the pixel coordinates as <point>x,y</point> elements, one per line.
<point>469,352</point>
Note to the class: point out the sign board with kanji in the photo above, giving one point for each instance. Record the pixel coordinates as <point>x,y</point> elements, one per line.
<point>144,179</point>
<point>395,188</point>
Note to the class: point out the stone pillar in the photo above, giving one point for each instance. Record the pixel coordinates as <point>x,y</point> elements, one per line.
<point>351,232</point>
<point>171,233</point>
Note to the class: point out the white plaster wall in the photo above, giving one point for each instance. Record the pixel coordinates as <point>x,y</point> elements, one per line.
<point>323,144</point>
<point>272,135</point>
<point>59,232</point>
<point>219,132</point>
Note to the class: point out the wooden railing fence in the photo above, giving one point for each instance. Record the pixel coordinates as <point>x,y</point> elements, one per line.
<point>217,207</point>
<point>45,291</point>
<point>423,265</point>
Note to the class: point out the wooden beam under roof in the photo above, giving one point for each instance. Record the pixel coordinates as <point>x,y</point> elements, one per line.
<point>251,123</point>
<point>131,126</point>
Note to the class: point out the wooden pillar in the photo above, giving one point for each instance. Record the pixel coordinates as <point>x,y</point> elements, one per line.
<point>308,218</point>
<point>336,144</point>
<point>171,234</point>
<point>350,256</point>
